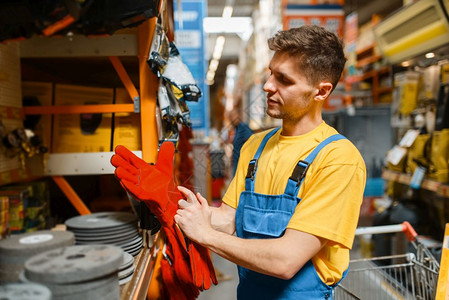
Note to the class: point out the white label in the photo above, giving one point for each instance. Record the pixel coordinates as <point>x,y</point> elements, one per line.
<point>36,239</point>
<point>409,138</point>
<point>395,155</point>
<point>188,39</point>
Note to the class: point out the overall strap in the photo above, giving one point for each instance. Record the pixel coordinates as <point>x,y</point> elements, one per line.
<point>297,177</point>
<point>252,167</point>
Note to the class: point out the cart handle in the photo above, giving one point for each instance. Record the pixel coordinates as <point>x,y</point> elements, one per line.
<point>405,227</point>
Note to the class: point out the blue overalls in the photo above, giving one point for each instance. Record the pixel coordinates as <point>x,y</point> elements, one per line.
<point>266,216</point>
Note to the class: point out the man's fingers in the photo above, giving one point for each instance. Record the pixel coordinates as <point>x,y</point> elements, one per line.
<point>177,218</point>
<point>202,200</point>
<point>190,196</point>
<point>183,203</point>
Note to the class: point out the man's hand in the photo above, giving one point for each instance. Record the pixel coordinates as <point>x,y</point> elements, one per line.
<point>194,216</point>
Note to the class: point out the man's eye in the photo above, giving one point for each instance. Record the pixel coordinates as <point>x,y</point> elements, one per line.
<point>282,79</point>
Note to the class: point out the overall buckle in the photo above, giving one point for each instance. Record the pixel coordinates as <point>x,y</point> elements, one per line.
<point>299,172</point>
<point>252,169</point>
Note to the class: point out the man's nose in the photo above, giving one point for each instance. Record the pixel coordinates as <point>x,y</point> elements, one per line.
<point>268,86</point>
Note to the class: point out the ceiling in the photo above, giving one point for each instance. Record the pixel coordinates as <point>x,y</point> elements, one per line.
<point>241,8</point>
<point>245,8</point>
<point>80,70</point>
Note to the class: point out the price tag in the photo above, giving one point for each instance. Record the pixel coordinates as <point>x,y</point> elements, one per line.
<point>395,155</point>
<point>409,138</point>
<point>417,178</point>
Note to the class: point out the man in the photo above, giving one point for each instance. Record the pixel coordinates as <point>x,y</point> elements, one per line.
<point>295,199</point>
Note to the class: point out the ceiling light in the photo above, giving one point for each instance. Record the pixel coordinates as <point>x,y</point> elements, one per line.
<point>405,63</point>
<point>430,55</point>
<point>227,12</point>
<point>227,25</point>
<point>210,75</point>
<point>218,50</point>
<point>220,41</point>
<point>213,65</point>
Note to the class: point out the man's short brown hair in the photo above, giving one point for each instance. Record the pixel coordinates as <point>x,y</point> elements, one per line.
<point>319,52</point>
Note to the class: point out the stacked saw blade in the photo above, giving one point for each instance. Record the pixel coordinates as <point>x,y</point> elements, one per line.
<point>88,272</point>
<point>110,228</point>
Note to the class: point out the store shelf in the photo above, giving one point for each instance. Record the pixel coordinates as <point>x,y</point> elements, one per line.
<point>369,60</point>
<point>144,264</point>
<point>81,163</point>
<point>385,89</point>
<point>369,74</point>
<point>427,184</point>
<point>10,112</point>
<point>373,77</point>
<point>78,109</point>
<point>365,50</point>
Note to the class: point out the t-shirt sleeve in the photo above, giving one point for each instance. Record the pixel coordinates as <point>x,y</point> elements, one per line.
<point>332,197</point>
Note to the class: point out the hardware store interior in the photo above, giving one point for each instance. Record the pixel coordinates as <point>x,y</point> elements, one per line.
<point>107,106</point>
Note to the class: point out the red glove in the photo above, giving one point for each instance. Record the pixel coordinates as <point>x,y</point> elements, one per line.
<point>150,183</point>
<point>154,185</point>
<point>203,271</point>
<point>173,287</point>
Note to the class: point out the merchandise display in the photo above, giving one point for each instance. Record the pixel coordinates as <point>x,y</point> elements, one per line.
<point>17,249</point>
<point>108,228</point>
<point>77,272</point>
<point>126,269</point>
<point>24,291</point>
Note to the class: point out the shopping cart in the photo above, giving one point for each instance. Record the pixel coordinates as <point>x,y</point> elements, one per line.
<point>412,275</point>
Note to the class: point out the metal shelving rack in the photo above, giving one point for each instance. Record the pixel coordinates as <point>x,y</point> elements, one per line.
<point>144,103</point>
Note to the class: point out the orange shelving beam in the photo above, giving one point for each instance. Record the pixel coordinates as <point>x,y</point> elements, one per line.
<point>124,77</point>
<point>77,109</point>
<point>71,195</point>
<point>148,91</point>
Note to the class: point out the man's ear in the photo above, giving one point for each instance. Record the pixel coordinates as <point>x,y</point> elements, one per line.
<point>324,89</point>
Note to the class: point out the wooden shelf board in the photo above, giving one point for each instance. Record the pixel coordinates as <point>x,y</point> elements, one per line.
<point>365,49</point>
<point>427,184</point>
<point>368,74</point>
<point>368,60</point>
<point>385,89</point>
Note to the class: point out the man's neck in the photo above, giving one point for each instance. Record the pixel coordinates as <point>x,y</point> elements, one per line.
<point>303,126</point>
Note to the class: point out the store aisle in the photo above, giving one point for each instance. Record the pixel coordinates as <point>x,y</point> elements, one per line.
<point>225,290</point>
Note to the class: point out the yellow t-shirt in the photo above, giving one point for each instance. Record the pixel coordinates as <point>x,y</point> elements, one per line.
<point>331,193</point>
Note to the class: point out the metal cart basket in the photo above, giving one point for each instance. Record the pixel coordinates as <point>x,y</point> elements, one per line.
<point>407,276</point>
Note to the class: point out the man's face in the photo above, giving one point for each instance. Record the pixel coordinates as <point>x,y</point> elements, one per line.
<point>289,94</point>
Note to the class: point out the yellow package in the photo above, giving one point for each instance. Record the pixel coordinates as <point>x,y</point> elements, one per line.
<point>418,152</point>
<point>439,154</point>
<point>407,84</point>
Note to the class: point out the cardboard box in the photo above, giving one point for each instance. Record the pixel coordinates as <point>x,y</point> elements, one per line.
<point>126,125</point>
<point>4,224</point>
<point>17,202</point>
<point>4,203</point>
<point>82,132</point>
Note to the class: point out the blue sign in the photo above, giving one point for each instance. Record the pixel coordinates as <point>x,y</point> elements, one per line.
<point>189,39</point>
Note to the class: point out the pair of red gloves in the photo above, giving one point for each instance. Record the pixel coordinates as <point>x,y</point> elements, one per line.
<point>188,268</point>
